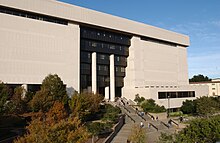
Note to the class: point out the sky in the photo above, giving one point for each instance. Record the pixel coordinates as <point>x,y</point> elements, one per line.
<point>199,19</point>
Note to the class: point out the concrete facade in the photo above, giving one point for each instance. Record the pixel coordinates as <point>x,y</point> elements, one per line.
<point>31,48</point>
<point>213,86</point>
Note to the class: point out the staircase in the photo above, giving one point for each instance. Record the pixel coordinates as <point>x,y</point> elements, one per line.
<point>132,119</point>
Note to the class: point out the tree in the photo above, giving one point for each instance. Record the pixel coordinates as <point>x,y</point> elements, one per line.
<point>4,96</point>
<point>97,128</point>
<point>138,99</point>
<point>42,101</point>
<point>55,87</point>
<point>16,104</point>
<point>200,130</point>
<point>188,107</point>
<point>206,106</point>
<point>149,105</point>
<point>85,104</point>
<point>199,78</point>
<point>138,135</point>
<point>54,127</point>
<point>111,113</point>
<point>52,90</point>
<point>166,138</point>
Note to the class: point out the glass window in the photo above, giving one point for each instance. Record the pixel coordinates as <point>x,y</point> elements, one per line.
<point>89,55</point>
<point>116,69</point>
<point>102,57</point>
<point>94,44</point>
<point>122,69</point>
<point>105,68</point>
<point>117,58</point>
<point>99,67</point>
<point>112,47</point>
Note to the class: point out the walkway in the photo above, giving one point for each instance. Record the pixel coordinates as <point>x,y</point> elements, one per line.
<point>132,119</point>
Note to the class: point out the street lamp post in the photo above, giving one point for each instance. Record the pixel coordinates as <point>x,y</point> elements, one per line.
<point>168,108</point>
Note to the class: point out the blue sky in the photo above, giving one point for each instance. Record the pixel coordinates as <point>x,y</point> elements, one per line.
<point>200,19</point>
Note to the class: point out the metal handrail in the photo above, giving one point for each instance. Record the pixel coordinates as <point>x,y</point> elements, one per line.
<point>165,124</point>
<point>130,117</point>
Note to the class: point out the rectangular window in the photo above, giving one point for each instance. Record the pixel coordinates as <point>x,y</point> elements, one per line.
<point>112,47</point>
<point>117,58</point>
<point>178,94</point>
<point>94,44</point>
<point>122,69</point>
<point>31,15</point>
<point>102,57</point>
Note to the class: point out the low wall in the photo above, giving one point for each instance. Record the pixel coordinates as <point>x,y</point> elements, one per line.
<point>117,128</point>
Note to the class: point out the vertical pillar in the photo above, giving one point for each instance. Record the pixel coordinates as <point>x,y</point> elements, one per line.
<point>25,86</point>
<point>112,78</point>
<point>107,93</point>
<point>94,74</point>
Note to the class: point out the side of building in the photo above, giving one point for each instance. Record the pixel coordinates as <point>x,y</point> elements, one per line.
<point>92,51</point>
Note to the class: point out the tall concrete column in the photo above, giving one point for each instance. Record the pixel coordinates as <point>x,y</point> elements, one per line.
<point>94,74</point>
<point>112,78</point>
<point>25,86</point>
<point>107,93</point>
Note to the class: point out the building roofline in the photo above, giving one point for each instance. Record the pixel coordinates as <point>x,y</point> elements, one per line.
<point>79,15</point>
<point>204,82</point>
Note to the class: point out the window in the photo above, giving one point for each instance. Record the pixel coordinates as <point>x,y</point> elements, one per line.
<point>89,55</point>
<point>117,58</point>
<point>213,88</point>
<point>85,66</point>
<point>112,47</point>
<point>94,44</point>
<point>105,68</point>
<point>116,69</point>
<point>178,94</point>
<point>99,67</point>
<point>122,69</point>
<point>31,15</point>
<point>102,57</point>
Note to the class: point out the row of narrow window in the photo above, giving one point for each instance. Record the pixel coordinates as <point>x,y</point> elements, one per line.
<point>102,68</point>
<point>159,41</point>
<point>178,94</point>
<point>31,15</point>
<point>104,36</point>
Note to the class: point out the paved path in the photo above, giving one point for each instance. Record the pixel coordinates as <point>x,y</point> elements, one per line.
<point>152,133</point>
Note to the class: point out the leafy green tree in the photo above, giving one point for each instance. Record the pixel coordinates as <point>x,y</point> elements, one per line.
<point>42,101</point>
<point>52,90</point>
<point>149,105</point>
<point>166,138</point>
<point>85,104</point>
<point>4,96</point>
<point>139,99</point>
<point>111,114</point>
<point>206,106</point>
<point>201,130</point>
<point>16,105</point>
<point>199,78</point>
<point>54,85</point>
<point>97,128</point>
<point>188,107</point>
